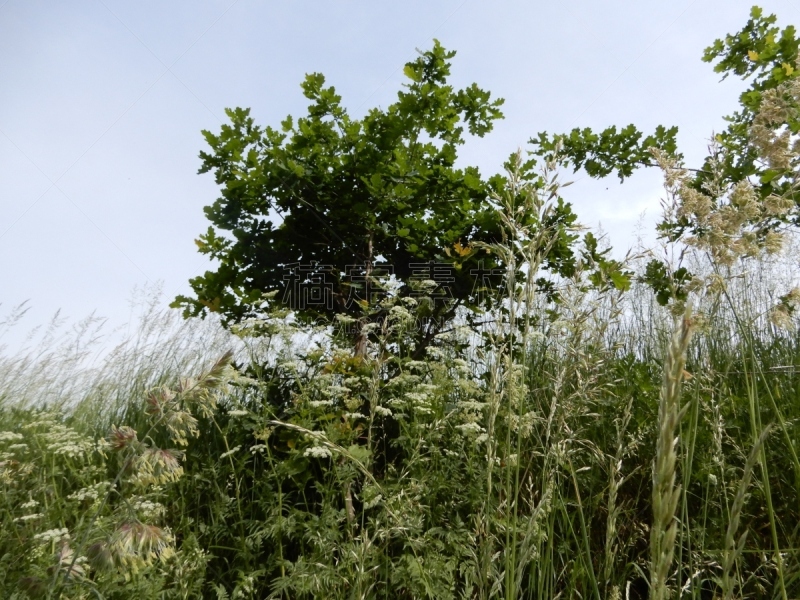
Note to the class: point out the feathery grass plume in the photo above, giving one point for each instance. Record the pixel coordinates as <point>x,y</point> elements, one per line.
<point>135,544</point>
<point>666,492</point>
<point>733,548</point>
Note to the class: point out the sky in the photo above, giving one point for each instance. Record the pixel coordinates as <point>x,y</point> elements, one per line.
<point>102,103</point>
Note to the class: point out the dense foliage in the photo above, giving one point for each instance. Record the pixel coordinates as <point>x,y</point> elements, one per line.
<point>323,214</point>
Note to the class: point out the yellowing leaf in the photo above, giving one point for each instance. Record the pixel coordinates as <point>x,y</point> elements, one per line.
<point>213,305</point>
<point>462,250</point>
<point>753,55</point>
<point>788,68</point>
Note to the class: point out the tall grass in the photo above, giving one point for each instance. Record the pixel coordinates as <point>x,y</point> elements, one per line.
<point>578,449</point>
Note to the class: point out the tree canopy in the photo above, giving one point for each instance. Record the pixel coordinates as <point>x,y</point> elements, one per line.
<point>746,190</point>
<point>313,213</point>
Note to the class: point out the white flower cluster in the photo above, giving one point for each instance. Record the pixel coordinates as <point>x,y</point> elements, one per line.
<point>31,517</point>
<point>420,402</point>
<point>148,509</point>
<point>435,353</point>
<point>382,411</point>
<point>43,421</point>
<point>419,365</point>
<point>317,452</point>
<point>470,428</point>
<point>258,448</point>
<point>65,441</point>
<point>462,366</point>
<point>472,405</point>
<point>336,390</point>
<point>400,314</point>
<point>52,535</point>
<point>404,379</point>
<point>90,493</point>
<point>10,436</point>
<point>321,403</point>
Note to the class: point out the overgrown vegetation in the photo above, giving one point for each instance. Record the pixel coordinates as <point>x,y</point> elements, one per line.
<point>610,430</point>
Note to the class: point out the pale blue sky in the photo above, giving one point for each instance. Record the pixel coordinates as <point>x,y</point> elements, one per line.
<point>102,103</point>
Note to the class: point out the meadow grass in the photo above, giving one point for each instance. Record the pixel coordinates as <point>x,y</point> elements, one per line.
<point>582,449</point>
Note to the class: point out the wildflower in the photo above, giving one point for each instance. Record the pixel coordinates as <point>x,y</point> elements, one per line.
<point>382,411</point>
<point>320,403</point>
<point>258,448</point>
<point>52,535</point>
<point>337,389</point>
<point>468,428</point>
<point>89,493</point>
<point>435,353</point>
<point>472,404</point>
<point>10,436</point>
<point>26,518</point>
<point>317,452</point>
<point>368,328</point>
<point>399,313</point>
<point>148,509</point>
